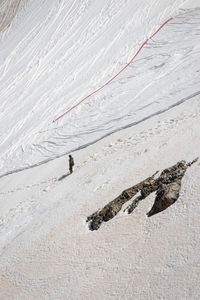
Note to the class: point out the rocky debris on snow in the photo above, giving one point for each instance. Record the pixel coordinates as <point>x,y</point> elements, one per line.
<point>166,186</point>
<point>113,207</point>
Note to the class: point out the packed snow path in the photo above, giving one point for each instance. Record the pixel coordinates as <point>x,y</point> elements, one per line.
<point>56,53</point>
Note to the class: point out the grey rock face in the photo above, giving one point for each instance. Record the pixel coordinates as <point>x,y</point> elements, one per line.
<point>167,187</point>
<point>8,11</point>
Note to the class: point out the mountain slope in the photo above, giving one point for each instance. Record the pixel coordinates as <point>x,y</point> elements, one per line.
<point>57,53</point>
<point>53,54</point>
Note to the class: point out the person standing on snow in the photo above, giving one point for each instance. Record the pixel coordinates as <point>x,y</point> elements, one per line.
<point>71,164</point>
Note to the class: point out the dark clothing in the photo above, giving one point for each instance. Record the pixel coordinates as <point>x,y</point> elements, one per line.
<point>71,164</point>
<point>71,169</point>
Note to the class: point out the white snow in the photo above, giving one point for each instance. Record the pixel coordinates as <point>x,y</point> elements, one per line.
<point>52,55</point>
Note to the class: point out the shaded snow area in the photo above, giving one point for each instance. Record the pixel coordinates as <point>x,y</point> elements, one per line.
<point>8,10</point>
<point>52,55</point>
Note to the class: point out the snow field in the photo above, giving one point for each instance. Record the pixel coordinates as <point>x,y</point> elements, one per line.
<point>53,54</point>
<point>55,252</point>
<point>45,69</point>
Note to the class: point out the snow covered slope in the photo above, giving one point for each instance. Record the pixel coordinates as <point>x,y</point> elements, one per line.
<point>47,251</point>
<point>54,54</point>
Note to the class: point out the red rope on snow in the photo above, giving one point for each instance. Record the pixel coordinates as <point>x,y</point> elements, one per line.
<point>118,72</point>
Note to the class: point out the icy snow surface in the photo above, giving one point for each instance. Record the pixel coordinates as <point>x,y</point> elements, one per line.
<point>52,55</point>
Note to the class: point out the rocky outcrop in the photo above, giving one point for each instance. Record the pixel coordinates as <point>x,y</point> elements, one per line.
<point>166,186</point>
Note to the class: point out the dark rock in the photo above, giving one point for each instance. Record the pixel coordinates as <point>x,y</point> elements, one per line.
<point>167,187</point>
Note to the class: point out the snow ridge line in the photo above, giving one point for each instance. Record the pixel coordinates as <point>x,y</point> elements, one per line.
<point>144,43</point>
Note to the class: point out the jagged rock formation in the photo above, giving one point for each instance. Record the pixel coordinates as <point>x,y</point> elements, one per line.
<point>167,187</point>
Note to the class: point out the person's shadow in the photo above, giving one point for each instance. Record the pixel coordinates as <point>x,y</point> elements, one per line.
<point>63,176</point>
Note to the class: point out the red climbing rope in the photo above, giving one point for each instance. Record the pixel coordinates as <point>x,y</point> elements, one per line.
<point>118,72</point>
